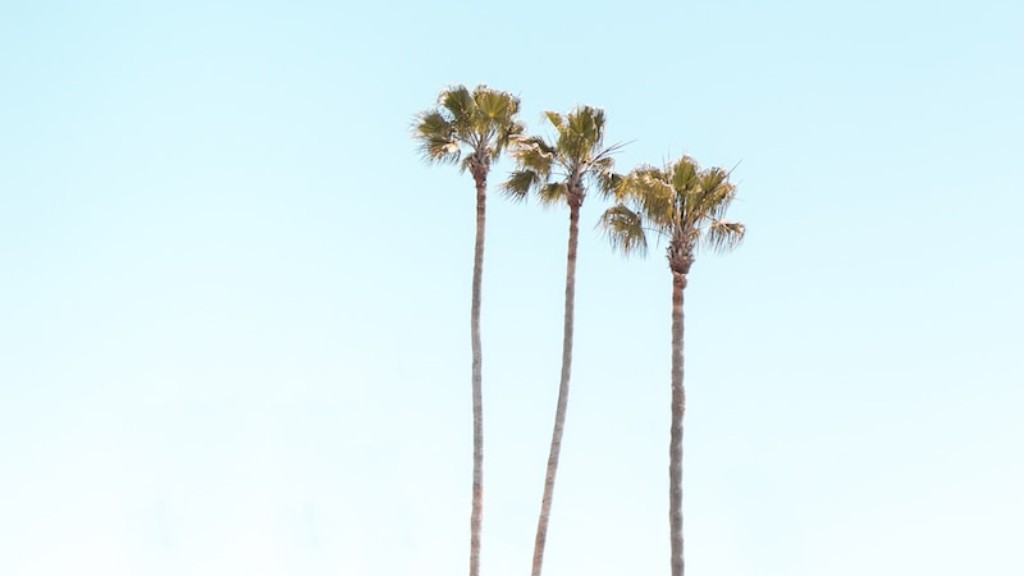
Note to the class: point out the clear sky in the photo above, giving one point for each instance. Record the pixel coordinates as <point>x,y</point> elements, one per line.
<point>234,307</point>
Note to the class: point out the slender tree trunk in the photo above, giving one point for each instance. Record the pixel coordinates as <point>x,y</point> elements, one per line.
<point>476,517</point>
<point>563,391</point>
<point>675,467</point>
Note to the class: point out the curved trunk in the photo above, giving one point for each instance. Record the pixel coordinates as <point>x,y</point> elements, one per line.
<point>675,467</point>
<point>563,391</point>
<point>476,517</point>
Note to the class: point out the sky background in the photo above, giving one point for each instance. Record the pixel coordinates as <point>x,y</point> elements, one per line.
<point>234,307</point>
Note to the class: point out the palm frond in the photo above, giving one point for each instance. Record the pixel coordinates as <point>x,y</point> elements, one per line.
<point>608,182</point>
<point>722,236</point>
<point>654,196</point>
<point>705,195</point>
<point>555,119</point>
<point>716,193</point>
<point>519,184</point>
<point>495,105</point>
<point>605,154</point>
<point>436,137</point>
<point>581,136</point>
<point>534,153</point>
<point>552,193</point>
<point>460,104</point>
<point>685,174</point>
<point>624,230</point>
<point>588,123</point>
<point>685,178</point>
<point>508,134</point>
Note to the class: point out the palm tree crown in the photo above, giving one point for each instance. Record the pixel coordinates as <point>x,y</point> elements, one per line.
<point>681,202</point>
<point>559,170</point>
<point>474,127</point>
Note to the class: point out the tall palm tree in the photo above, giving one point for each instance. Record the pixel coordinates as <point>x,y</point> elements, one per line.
<point>560,171</point>
<point>471,129</point>
<point>687,206</point>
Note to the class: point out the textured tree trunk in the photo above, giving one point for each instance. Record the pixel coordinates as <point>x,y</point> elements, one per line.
<point>675,457</point>
<point>563,391</point>
<point>476,517</point>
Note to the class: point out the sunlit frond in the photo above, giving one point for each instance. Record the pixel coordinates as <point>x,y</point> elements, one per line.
<point>581,136</point>
<point>654,196</point>
<point>686,182</point>
<point>555,119</point>
<point>496,118</point>
<point>462,107</point>
<point>716,194</point>
<point>533,152</point>
<point>435,136</point>
<point>722,236</point>
<point>495,105</point>
<point>624,230</point>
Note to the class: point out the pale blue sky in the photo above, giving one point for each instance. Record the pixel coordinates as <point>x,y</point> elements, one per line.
<point>234,307</point>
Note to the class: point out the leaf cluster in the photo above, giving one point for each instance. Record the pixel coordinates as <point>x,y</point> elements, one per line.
<point>561,168</point>
<point>469,128</point>
<point>680,201</point>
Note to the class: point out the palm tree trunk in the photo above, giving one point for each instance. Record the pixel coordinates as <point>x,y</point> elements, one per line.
<point>476,517</point>
<point>675,467</point>
<point>563,391</point>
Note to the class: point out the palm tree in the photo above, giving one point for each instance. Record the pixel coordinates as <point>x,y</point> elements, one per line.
<point>471,129</point>
<point>560,171</point>
<point>687,206</point>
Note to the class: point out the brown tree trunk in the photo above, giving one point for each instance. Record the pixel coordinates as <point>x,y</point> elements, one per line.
<point>476,517</point>
<point>675,457</point>
<point>563,390</point>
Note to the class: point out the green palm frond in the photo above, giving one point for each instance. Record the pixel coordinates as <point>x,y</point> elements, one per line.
<point>552,193</point>
<point>519,184</point>
<point>685,174</point>
<point>716,193</point>
<point>512,130</point>
<point>460,103</point>
<point>436,138</point>
<point>534,153</point>
<point>581,136</point>
<point>555,119</point>
<point>624,229</point>
<point>653,195</point>
<point>494,105</point>
<point>497,118</point>
<point>723,236</point>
